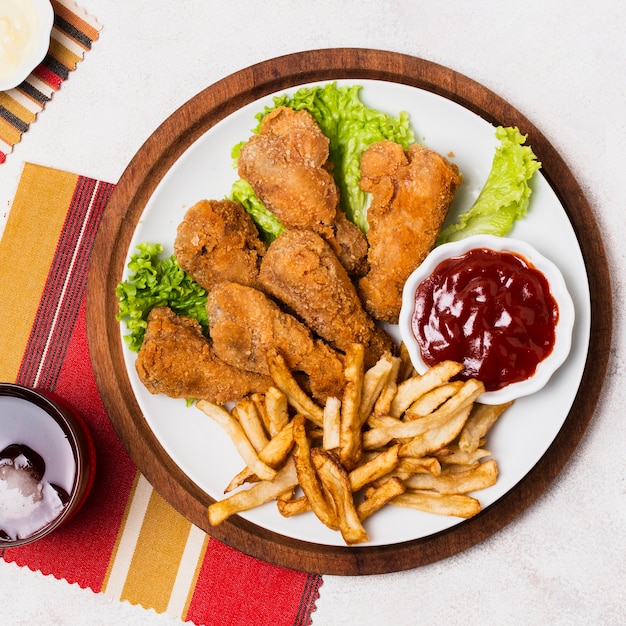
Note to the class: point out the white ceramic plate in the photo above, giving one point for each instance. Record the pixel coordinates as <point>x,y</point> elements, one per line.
<point>202,450</point>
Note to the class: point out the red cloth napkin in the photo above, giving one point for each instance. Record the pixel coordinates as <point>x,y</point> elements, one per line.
<point>126,540</point>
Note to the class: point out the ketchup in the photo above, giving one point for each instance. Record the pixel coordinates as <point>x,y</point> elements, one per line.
<point>491,311</point>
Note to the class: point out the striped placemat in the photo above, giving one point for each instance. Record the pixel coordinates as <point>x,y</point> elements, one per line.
<point>126,541</point>
<point>73,33</point>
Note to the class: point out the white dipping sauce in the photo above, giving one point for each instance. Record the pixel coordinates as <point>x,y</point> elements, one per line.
<point>18,28</point>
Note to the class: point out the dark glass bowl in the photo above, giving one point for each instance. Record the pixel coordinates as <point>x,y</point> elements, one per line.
<point>32,420</point>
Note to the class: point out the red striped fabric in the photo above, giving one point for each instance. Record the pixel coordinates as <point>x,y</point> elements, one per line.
<point>230,588</point>
<point>73,33</point>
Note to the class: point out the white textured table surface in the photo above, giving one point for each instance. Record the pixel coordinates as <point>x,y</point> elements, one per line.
<point>563,65</point>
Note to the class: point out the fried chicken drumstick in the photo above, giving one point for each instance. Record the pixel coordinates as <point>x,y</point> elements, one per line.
<point>302,271</point>
<point>246,327</point>
<point>216,241</point>
<point>176,359</point>
<point>286,165</point>
<point>412,193</point>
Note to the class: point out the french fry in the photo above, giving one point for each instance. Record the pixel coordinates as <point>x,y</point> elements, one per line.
<point>481,419</point>
<point>277,409</point>
<point>294,506</point>
<point>258,494</point>
<point>374,468</point>
<point>307,476</point>
<point>412,388</point>
<point>332,422</point>
<point>374,381</point>
<point>453,455</point>
<point>464,481</point>
<point>273,454</point>
<point>398,429</point>
<point>435,438</point>
<point>238,437</point>
<point>376,498</point>
<point>378,466</point>
<point>380,433</point>
<point>441,504</point>
<point>258,400</point>
<point>407,466</point>
<point>248,416</point>
<point>393,437</point>
<point>335,479</point>
<point>284,380</point>
<point>246,475</point>
<point>382,406</point>
<point>278,447</point>
<point>429,402</point>
<point>350,446</point>
<point>406,365</point>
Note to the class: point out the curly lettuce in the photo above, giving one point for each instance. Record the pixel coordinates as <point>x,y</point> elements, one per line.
<point>505,195</point>
<point>351,127</point>
<point>154,281</point>
<point>268,224</point>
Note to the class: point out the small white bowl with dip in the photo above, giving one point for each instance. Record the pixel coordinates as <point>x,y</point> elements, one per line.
<point>413,333</point>
<point>25,27</point>
<point>47,464</point>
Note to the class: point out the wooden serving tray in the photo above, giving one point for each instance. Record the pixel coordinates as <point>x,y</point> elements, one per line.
<point>125,208</point>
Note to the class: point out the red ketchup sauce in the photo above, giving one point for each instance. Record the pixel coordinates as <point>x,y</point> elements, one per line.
<point>491,311</point>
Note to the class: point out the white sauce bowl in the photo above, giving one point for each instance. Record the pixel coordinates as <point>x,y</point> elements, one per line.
<point>23,42</point>
<point>558,289</point>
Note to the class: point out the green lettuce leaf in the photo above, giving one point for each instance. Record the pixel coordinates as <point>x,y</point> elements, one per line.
<point>157,282</point>
<point>505,196</point>
<point>268,224</point>
<point>351,127</point>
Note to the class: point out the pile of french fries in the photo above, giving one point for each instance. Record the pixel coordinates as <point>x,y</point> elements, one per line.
<point>394,437</point>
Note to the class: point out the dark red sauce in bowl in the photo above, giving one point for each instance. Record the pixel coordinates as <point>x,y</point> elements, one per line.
<point>494,304</point>
<point>492,311</point>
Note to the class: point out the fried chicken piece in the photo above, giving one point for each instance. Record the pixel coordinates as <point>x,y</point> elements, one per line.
<point>302,271</point>
<point>217,240</point>
<point>286,165</point>
<point>246,327</point>
<point>412,193</point>
<point>176,359</point>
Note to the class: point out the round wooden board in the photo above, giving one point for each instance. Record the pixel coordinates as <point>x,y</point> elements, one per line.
<point>109,256</point>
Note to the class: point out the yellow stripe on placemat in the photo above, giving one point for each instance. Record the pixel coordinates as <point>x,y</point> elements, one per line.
<point>26,251</point>
<point>188,572</point>
<point>158,554</point>
<point>9,133</point>
<point>61,53</point>
<point>12,105</point>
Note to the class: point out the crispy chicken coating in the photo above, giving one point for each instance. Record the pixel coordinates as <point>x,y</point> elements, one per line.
<point>302,271</point>
<point>412,193</point>
<point>177,360</point>
<point>217,240</point>
<point>246,327</point>
<point>286,165</point>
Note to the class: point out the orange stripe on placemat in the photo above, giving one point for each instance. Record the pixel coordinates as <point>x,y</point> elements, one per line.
<point>39,209</point>
<point>76,18</point>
